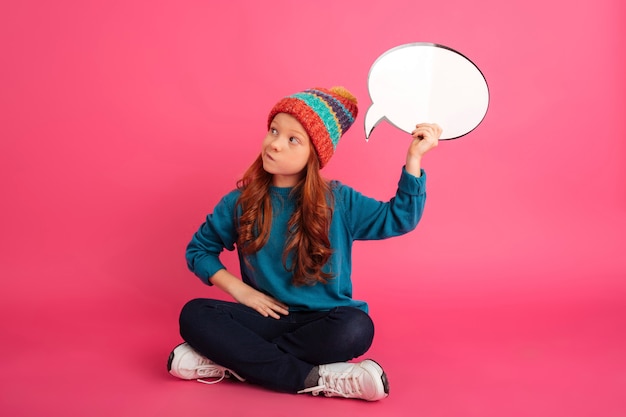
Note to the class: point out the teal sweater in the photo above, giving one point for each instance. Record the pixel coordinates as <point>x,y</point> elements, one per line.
<point>356,217</point>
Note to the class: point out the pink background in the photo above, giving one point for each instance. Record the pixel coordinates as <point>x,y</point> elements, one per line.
<point>123,122</point>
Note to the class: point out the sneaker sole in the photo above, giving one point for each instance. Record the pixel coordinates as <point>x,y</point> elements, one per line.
<point>170,361</point>
<point>171,358</point>
<point>383,375</point>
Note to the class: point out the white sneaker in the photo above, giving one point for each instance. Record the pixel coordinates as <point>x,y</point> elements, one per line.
<point>186,363</point>
<point>364,380</point>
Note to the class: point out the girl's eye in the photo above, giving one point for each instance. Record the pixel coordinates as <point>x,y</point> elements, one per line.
<point>274,131</point>
<point>294,140</point>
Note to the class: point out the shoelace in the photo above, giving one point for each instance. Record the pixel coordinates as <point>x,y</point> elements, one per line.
<point>346,385</point>
<point>208,369</point>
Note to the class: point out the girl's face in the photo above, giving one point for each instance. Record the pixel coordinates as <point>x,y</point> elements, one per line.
<point>286,150</point>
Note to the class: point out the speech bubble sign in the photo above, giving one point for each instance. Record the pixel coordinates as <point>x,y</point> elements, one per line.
<point>426,83</point>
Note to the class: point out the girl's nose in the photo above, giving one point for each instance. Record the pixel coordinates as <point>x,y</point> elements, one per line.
<point>275,144</point>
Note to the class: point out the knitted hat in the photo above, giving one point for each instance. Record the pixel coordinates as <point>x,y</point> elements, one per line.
<point>324,114</point>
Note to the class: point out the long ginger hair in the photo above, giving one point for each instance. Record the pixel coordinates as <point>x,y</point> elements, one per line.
<point>307,249</point>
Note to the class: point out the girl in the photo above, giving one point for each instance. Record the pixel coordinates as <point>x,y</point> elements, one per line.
<point>295,324</point>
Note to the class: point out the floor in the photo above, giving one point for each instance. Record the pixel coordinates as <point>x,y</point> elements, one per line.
<point>446,355</point>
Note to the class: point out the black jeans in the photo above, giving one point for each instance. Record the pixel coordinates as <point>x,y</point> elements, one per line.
<point>277,354</point>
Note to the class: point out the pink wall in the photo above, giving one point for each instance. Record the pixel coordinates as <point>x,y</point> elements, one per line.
<point>123,122</point>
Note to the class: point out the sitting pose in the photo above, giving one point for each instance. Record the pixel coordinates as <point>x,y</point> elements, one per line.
<point>294,326</point>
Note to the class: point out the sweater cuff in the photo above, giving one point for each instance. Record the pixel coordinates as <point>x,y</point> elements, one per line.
<point>411,184</point>
<point>208,269</point>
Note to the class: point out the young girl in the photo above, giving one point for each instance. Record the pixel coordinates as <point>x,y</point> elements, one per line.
<point>295,324</point>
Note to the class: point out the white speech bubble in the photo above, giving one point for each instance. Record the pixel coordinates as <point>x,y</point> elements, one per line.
<point>426,83</point>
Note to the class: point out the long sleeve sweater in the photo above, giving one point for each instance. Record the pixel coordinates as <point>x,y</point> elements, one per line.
<point>355,217</point>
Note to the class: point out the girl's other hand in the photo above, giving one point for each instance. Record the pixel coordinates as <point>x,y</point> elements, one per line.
<point>425,137</point>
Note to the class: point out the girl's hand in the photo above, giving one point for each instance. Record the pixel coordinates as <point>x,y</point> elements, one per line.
<point>425,137</point>
<point>248,296</point>
<point>262,303</point>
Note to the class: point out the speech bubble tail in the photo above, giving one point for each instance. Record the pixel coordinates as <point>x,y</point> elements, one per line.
<point>368,132</point>
<point>372,118</point>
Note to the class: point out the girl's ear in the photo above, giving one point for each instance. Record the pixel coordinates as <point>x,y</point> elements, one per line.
<point>314,162</point>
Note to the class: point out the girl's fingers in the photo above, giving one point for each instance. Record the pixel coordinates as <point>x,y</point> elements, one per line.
<point>426,129</point>
<point>273,308</point>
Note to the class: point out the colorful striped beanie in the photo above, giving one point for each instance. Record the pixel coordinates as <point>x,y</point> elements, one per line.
<point>325,115</point>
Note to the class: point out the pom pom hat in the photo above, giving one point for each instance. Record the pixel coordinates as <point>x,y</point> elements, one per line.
<point>325,115</point>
